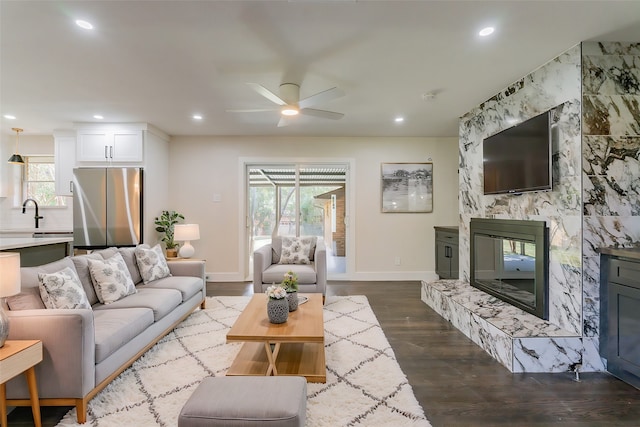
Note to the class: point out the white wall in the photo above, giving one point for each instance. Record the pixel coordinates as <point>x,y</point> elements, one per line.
<point>200,167</point>
<point>11,216</point>
<point>156,181</point>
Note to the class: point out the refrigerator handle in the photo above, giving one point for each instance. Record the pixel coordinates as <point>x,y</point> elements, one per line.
<point>105,152</point>
<point>71,187</point>
<point>111,151</point>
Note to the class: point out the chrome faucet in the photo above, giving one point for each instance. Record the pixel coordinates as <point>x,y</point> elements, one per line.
<point>37,217</point>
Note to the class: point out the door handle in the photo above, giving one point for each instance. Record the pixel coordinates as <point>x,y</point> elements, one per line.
<point>70,186</point>
<point>105,152</point>
<point>111,152</point>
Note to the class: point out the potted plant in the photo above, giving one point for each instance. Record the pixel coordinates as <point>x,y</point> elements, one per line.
<point>290,284</point>
<point>277,306</point>
<point>164,224</point>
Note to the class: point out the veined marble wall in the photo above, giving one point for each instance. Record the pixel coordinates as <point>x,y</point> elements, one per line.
<point>594,88</point>
<point>611,160</point>
<point>555,85</point>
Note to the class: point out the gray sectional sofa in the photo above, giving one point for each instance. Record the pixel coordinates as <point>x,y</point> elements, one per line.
<point>86,348</point>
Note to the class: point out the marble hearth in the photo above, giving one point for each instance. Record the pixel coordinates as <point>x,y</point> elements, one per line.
<point>520,341</point>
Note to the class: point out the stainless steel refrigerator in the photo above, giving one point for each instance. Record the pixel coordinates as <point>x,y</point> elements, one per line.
<point>107,207</point>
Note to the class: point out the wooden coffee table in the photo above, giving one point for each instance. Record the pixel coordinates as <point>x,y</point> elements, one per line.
<point>295,347</point>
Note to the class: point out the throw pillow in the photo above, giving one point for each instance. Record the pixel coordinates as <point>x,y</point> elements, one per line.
<point>27,299</point>
<point>62,290</point>
<point>295,250</point>
<point>151,263</point>
<point>111,279</point>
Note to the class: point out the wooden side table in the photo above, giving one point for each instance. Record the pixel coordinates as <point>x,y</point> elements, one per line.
<point>16,357</point>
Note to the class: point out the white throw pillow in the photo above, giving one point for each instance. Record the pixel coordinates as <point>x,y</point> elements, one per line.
<point>295,250</point>
<point>151,263</point>
<point>111,279</point>
<point>62,290</point>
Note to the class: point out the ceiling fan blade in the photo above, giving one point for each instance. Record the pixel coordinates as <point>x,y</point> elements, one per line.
<point>252,110</point>
<point>321,113</point>
<point>321,97</point>
<point>284,121</point>
<point>267,93</point>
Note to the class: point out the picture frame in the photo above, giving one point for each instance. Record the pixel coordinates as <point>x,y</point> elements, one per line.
<point>406,187</point>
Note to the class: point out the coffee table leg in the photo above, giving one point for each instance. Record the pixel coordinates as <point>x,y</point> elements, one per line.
<point>272,356</point>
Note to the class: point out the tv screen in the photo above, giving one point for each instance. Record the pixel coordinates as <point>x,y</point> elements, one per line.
<point>518,159</point>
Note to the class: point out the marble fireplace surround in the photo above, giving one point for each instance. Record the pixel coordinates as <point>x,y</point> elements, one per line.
<point>520,341</point>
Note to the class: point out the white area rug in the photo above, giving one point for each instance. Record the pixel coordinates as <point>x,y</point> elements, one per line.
<point>365,385</point>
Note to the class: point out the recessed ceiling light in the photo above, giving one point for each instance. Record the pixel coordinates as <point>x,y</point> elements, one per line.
<point>399,119</point>
<point>487,31</point>
<point>9,116</point>
<point>98,116</point>
<point>196,117</point>
<point>84,24</point>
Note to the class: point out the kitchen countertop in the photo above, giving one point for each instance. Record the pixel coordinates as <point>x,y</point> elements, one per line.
<point>7,243</point>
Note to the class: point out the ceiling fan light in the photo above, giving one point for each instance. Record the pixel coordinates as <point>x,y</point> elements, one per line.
<point>290,110</point>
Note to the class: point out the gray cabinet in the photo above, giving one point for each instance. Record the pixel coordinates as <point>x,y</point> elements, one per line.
<point>447,252</point>
<point>620,321</point>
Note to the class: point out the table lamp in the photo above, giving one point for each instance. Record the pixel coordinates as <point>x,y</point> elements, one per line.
<point>186,233</point>
<point>9,285</point>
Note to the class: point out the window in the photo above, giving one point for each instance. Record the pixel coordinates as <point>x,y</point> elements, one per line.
<point>39,182</point>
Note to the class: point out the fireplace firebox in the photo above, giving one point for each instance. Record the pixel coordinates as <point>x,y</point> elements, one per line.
<point>509,260</point>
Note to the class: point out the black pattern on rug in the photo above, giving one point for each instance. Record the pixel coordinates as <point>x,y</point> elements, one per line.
<point>365,385</point>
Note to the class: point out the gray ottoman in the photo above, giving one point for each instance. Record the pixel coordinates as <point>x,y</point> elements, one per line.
<point>247,401</point>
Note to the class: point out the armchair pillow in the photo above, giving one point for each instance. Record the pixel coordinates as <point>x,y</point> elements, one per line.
<point>295,250</point>
<point>111,279</point>
<point>62,290</point>
<point>151,263</point>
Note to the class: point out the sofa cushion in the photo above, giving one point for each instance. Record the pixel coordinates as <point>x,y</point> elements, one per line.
<point>81,262</point>
<point>152,264</point>
<point>161,301</point>
<point>129,256</point>
<point>187,285</point>
<point>295,250</point>
<point>275,273</point>
<point>62,290</point>
<point>27,299</point>
<point>29,275</point>
<point>114,328</point>
<point>111,279</point>
<point>276,250</point>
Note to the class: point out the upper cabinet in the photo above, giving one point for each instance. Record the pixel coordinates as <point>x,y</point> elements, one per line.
<point>110,145</point>
<point>65,160</point>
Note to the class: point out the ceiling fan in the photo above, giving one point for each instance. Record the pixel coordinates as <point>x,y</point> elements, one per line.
<point>290,104</point>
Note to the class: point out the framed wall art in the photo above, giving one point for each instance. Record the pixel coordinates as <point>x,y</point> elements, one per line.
<point>407,187</point>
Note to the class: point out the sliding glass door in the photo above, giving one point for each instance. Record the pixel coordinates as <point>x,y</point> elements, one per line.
<point>298,199</point>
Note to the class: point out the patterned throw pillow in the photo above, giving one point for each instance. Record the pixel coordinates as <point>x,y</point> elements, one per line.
<point>111,279</point>
<point>295,250</point>
<point>151,263</point>
<point>62,290</point>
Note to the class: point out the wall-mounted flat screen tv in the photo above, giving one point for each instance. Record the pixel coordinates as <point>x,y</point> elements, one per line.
<point>518,159</point>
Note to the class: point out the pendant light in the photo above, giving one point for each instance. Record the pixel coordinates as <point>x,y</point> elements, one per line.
<point>16,159</point>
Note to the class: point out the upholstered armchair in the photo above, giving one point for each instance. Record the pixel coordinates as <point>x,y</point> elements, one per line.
<point>272,261</point>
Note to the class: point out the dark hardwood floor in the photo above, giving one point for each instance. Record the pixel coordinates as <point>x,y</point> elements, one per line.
<point>456,382</point>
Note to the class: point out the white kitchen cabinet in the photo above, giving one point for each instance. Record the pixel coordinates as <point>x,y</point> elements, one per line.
<point>110,146</point>
<point>65,160</point>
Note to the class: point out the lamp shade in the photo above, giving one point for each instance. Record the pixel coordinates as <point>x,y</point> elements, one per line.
<point>186,232</point>
<point>9,274</point>
<point>16,159</point>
